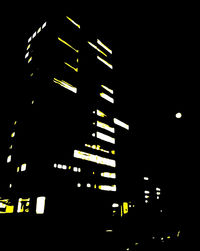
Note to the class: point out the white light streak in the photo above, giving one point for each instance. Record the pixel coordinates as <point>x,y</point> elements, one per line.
<point>104,137</point>
<point>96,48</point>
<point>40,205</point>
<point>44,25</point>
<point>157,189</point>
<point>65,85</point>
<point>112,188</point>
<point>27,54</point>
<point>105,126</point>
<point>103,45</point>
<point>34,34</point>
<point>120,123</point>
<point>39,30</point>
<point>109,175</point>
<point>29,40</point>
<point>94,158</point>
<point>107,89</point>
<point>115,205</point>
<point>105,62</point>
<point>108,98</point>
<point>9,159</point>
<point>77,25</point>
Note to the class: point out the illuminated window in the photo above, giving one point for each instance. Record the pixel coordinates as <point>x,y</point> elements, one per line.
<point>18,169</point>
<point>96,48</point>
<point>28,47</point>
<point>34,34</point>
<point>104,137</point>
<point>10,185</point>
<point>101,114</point>
<point>157,189</point>
<point>55,165</point>
<point>27,54</point>
<point>146,192</point>
<point>146,196</point>
<point>88,185</point>
<point>59,166</point>
<point>77,25</point>
<point>9,159</point>
<point>108,89</point>
<point>64,167</point>
<point>40,205</point>
<point>112,188</point>
<point>29,40</point>
<point>120,123</point>
<point>38,31</point>
<point>23,205</point>
<point>79,170</point>
<point>32,102</point>
<point>13,135</point>
<point>157,197</point>
<point>15,122</point>
<point>146,178</point>
<point>94,158</point>
<point>64,42</point>
<point>168,237</point>
<point>105,62</point>
<point>75,169</point>
<point>105,47</point>
<point>30,59</point>
<point>44,25</point>
<point>65,85</point>
<point>178,115</point>
<point>146,201</point>
<point>79,185</point>
<point>109,175</point>
<point>105,126</point>
<point>158,193</point>
<point>23,167</point>
<point>113,152</point>
<point>115,205</point>
<point>5,206</point>
<point>108,98</point>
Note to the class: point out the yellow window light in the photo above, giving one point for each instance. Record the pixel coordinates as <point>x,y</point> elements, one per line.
<point>40,205</point>
<point>113,152</point>
<point>96,48</point>
<point>101,114</point>
<point>44,25</point>
<point>120,123</point>
<point>13,135</point>
<point>77,25</point>
<point>107,89</point>
<point>65,85</point>
<point>9,159</point>
<point>125,207</point>
<point>104,137</point>
<point>18,169</point>
<point>108,98</point>
<point>105,62</point>
<point>15,122</point>
<point>30,59</point>
<point>104,46</point>
<point>109,175</point>
<point>11,147</point>
<point>28,47</point>
<point>23,205</point>
<point>79,185</point>
<point>115,205</point>
<point>6,207</point>
<point>64,42</point>
<point>112,188</point>
<point>73,68</point>
<point>178,234</point>
<point>94,158</point>
<point>105,126</point>
<point>27,54</point>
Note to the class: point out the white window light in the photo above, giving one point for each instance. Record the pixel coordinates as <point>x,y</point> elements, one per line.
<point>146,178</point>
<point>157,189</point>
<point>39,30</point>
<point>107,89</point>
<point>27,54</point>
<point>94,158</point>
<point>157,197</point>
<point>158,193</point>
<point>44,25</point>
<point>65,85</point>
<point>59,166</point>
<point>34,34</point>
<point>104,46</point>
<point>146,192</point>
<point>101,114</point>
<point>112,188</point>
<point>10,185</point>
<point>115,205</point>
<point>23,167</point>
<point>55,165</point>
<point>120,123</point>
<point>105,62</point>
<point>105,137</point>
<point>64,167</point>
<point>88,185</point>
<point>75,169</point>
<point>79,185</point>
<point>178,115</point>
<point>146,196</point>
<point>109,175</point>
<point>105,126</point>
<point>9,159</point>
<point>40,205</point>
<point>29,40</point>
<point>106,97</point>
<point>108,230</point>
<point>79,169</point>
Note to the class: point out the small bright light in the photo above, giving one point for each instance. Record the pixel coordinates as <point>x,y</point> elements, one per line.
<point>115,205</point>
<point>178,115</point>
<point>23,167</point>
<point>59,166</point>
<point>146,201</point>
<point>158,197</point>
<point>9,159</point>
<point>146,178</point>
<point>79,185</point>
<point>88,185</point>
<point>146,192</point>
<point>40,205</point>
<point>55,165</point>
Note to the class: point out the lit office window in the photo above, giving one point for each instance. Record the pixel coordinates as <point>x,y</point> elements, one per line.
<point>9,159</point>
<point>146,178</point>
<point>55,165</point>
<point>112,188</point>
<point>75,169</point>
<point>104,46</point>
<point>157,189</point>
<point>113,152</point>
<point>64,167</point>
<point>5,206</point>
<point>107,89</point>
<point>79,185</point>
<point>30,59</point>
<point>10,186</point>
<point>94,158</point>
<point>104,137</point>
<point>29,40</point>
<point>77,25</point>
<point>146,192</point>
<point>105,126</point>
<point>59,166</point>
<point>158,193</point>
<point>157,197</point>
<point>115,205</point>
<point>15,122</point>
<point>18,169</point>
<point>34,34</point>
<point>101,114</point>
<point>146,201</point>
<point>40,205</point>
<point>106,97</point>
<point>96,48</point>
<point>65,85</point>
<point>13,135</point>
<point>79,169</point>
<point>27,54</point>
<point>88,185</point>
<point>146,196</point>
<point>28,47</point>
<point>38,31</point>
<point>23,205</point>
<point>120,123</point>
<point>44,25</point>
<point>109,175</point>
<point>105,62</point>
<point>96,147</point>
<point>178,115</point>
<point>23,167</point>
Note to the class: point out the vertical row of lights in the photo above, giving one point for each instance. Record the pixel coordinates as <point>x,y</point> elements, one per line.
<point>9,158</point>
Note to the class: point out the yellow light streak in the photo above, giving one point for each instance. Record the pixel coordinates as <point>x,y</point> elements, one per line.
<point>125,207</point>
<point>107,89</point>
<point>75,69</point>
<point>94,158</point>
<point>65,85</point>
<point>113,152</point>
<point>105,62</point>
<point>104,46</point>
<point>28,47</point>
<point>6,206</point>
<point>96,147</point>
<point>64,42</point>
<point>30,59</point>
<point>96,48</point>
<point>77,25</point>
<point>105,126</point>
<point>108,98</point>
